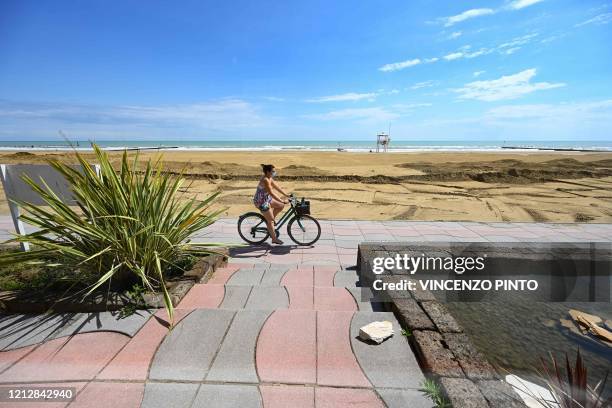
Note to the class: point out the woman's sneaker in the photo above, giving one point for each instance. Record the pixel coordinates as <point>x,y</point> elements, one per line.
<point>278,242</point>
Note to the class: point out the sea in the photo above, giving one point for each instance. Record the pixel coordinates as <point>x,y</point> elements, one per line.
<point>308,145</point>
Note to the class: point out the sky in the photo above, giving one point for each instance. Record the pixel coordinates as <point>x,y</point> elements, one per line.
<point>334,70</point>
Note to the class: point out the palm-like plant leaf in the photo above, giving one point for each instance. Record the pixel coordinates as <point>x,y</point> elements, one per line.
<point>128,222</point>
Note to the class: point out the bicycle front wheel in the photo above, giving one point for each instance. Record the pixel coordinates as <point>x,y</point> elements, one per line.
<point>304,230</point>
<point>252,228</point>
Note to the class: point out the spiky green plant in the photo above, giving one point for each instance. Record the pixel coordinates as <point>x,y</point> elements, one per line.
<point>432,390</point>
<point>128,223</point>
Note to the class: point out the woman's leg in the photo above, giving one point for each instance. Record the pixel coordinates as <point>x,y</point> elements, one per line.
<point>269,216</point>
<point>277,207</point>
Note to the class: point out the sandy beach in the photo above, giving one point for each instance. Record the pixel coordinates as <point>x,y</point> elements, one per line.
<point>447,186</point>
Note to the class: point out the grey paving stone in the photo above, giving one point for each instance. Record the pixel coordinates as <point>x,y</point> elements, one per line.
<point>235,361</point>
<point>108,321</point>
<point>235,297</point>
<point>187,352</point>
<point>404,398</point>
<point>164,395</point>
<point>246,276</point>
<point>21,330</point>
<point>364,306</point>
<point>345,278</point>
<point>228,396</point>
<point>267,298</point>
<point>388,365</point>
<point>273,276</point>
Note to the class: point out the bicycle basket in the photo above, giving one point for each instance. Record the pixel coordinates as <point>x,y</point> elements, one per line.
<point>303,208</point>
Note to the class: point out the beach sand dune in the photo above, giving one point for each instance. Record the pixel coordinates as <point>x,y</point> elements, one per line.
<point>448,186</point>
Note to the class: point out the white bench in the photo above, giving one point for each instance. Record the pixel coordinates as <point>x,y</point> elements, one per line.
<point>17,189</point>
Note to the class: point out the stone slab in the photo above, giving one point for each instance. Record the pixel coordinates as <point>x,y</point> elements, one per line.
<point>434,356</point>
<point>20,330</point>
<point>403,398</point>
<point>286,348</point>
<point>283,396</point>
<point>326,397</point>
<point>463,393</point>
<point>267,298</point>
<point>346,278</point>
<point>228,396</point>
<point>164,395</point>
<point>187,352</point>
<point>133,361</point>
<point>235,297</point>
<point>202,296</point>
<point>336,363</point>
<point>109,395</point>
<point>390,364</point>
<point>235,361</point>
<point>273,276</point>
<point>332,298</point>
<point>67,359</point>
<point>246,276</point>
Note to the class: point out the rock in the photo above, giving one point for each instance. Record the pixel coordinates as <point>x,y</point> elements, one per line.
<point>376,331</point>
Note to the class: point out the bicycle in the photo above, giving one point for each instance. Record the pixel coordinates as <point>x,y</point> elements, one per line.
<point>303,229</point>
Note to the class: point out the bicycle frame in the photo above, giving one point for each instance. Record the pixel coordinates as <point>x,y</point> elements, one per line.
<point>291,212</point>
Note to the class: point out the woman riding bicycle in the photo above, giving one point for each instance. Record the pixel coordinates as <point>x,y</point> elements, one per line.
<point>267,201</point>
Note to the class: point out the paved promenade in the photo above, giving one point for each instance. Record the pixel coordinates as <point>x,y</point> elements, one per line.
<point>277,327</point>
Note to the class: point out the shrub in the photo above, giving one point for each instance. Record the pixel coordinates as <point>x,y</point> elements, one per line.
<point>128,225</point>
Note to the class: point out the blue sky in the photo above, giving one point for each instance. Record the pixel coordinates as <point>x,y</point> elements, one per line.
<point>478,70</point>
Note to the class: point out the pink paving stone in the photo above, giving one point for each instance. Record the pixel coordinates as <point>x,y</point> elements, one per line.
<point>336,363</point>
<point>10,357</point>
<point>348,260</point>
<point>133,361</point>
<point>286,348</point>
<point>78,386</point>
<point>320,249</point>
<point>298,277</point>
<point>109,395</point>
<point>346,398</point>
<point>80,357</point>
<point>203,296</point>
<point>222,275</point>
<point>301,297</point>
<point>319,257</point>
<point>289,258</point>
<point>282,396</point>
<point>324,275</point>
<point>334,299</point>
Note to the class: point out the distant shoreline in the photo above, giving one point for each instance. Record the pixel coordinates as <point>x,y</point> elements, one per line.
<point>351,146</point>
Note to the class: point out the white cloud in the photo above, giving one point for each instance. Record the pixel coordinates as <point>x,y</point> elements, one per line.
<point>519,4</point>
<point>511,51</point>
<point>466,15</point>
<point>83,120</point>
<point>600,19</point>
<point>478,73</point>
<point>430,60</point>
<point>350,96</point>
<point>424,84</point>
<point>396,66</point>
<point>453,56</point>
<point>466,54</point>
<point>454,35</point>
<point>374,114</point>
<point>506,87</point>
<point>517,41</point>
<point>598,110</point>
<point>394,91</point>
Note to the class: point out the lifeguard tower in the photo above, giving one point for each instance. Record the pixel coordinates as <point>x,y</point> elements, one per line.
<point>382,142</point>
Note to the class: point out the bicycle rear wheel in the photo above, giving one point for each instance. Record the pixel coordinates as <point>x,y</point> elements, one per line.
<point>252,228</point>
<point>304,230</point>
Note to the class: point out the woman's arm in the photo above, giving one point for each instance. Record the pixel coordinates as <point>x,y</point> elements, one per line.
<point>268,185</point>
<point>277,187</point>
